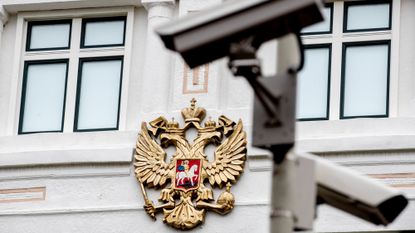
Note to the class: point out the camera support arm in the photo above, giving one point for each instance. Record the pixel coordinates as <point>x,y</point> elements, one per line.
<point>277,100</point>
<point>244,62</point>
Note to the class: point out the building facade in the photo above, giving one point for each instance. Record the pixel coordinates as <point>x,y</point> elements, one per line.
<point>77,78</point>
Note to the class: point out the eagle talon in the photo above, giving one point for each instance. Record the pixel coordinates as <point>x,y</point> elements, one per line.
<point>150,209</point>
<point>205,194</point>
<point>166,195</point>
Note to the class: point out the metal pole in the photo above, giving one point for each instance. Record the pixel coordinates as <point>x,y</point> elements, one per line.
<point>283,179</point>
<point>283,193</point>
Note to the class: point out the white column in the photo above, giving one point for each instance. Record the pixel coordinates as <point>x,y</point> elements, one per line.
<point>157,69</point>
<point>3,20</point>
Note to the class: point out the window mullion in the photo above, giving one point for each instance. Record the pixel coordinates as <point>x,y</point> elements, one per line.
<point>338,18</point>
<point>311,40</point>
<point>367,37</point>
<point>335,80</point>
<point>72,75</point>
<point>336,57</point>
<point>101,52</point>
<point>46,55</point>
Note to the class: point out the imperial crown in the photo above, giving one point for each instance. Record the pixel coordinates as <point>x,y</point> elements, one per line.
<point>210,124</point>
<point>172,124</point>
<point>173,127</point>
<point>193,113</point>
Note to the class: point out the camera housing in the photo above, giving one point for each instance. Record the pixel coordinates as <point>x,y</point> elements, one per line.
<point>206,36</point>
<point>356,194</point>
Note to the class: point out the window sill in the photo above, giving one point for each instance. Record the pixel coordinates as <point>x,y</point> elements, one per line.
<point>360,134</point>
<point>117,146</point>
<point>70,148</point>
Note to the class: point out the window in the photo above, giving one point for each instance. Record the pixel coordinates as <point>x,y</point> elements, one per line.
<point>364,16</point>
<point>347,63</point>
<point>322,27</point>
<point>43,99</point>
<point>88,56</point>
<point>365,79</point>
<point>103,32</point>
<point>49,35</point>
<point>313,83</point>
<point>98,95</point>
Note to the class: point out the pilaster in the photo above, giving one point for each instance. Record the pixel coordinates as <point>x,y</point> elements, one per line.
<point>4,17</point>
<point>157,68</point>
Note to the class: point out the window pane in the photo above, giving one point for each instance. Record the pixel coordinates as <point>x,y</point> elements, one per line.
<point>49,36</point>
<point>103,32</point>
<point>366,80</point>
<point>313,85</point>
<point>368,17</point>
<point>99,95</point>
<point>43,97</point>
<point>322,27</point>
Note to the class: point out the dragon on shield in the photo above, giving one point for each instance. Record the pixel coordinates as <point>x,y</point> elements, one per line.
<point>184,197</point>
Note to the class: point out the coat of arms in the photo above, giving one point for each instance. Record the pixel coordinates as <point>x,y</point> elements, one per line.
<point>185,196</point>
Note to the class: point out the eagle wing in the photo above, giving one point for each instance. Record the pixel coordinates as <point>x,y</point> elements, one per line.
<point>230,158</point>
<point>150,167</point>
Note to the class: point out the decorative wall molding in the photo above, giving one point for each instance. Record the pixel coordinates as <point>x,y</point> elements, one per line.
<point>57,148</point>
<point>359,134</point>
<point>65,171</point>
<point>371,158</point>
<point>357,143</point>
<point>150,3</point>
<point>259,160</point>
<point>13,6</point>
<point>196,80</point>
<point>22,194</point>
<point>119,208</point>
<point>68,156</point>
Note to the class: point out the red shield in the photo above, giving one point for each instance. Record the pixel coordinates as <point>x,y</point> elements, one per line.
<point>187,174</point>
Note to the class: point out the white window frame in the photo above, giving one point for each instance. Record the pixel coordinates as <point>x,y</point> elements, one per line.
<point>341,135</point>
<point>337,38</point>
<point>73,54</point>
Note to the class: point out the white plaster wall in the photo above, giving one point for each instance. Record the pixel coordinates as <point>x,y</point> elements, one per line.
<point>135,99</point>
<point>6,62</point>
<point>107,198</point>
<point>407,60</point>
<point>128,221</point>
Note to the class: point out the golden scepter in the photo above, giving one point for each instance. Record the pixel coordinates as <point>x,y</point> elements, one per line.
<point>147,200</point>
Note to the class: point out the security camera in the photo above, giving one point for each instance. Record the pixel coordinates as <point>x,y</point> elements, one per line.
<point>206,36</point>
<point>356,194</point>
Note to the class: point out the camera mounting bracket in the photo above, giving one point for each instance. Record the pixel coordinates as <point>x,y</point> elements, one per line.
<point>275,95</point>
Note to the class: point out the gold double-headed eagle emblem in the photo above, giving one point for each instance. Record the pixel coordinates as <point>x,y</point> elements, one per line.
<point>184,197</point>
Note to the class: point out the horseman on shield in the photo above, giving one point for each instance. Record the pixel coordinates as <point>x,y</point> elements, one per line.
<point>185,176</point>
